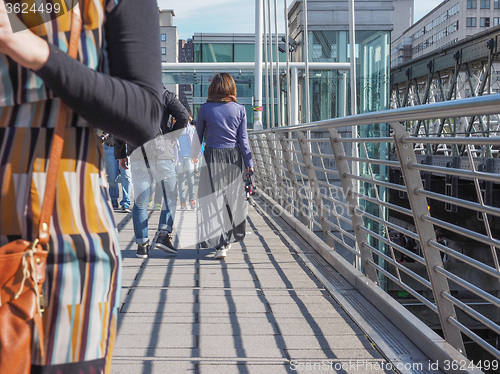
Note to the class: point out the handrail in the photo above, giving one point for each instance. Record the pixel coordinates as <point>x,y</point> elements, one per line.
<point>474,106</point>
<point>307,169</point>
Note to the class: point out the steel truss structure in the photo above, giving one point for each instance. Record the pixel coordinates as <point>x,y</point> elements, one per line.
<point>470,68</point>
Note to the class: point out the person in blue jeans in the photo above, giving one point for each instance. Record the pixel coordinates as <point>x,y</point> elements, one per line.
<point>155,161</point>
<point>185,167</point>
<point>116,174</point>
<point>145,170</point>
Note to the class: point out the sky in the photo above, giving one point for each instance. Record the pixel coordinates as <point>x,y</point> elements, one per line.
<point>229,16</point>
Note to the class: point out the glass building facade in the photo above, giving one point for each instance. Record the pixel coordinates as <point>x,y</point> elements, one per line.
<point>229,48</point>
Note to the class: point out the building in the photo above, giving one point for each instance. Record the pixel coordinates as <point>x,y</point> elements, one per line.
<point>210,47</point>
<point>328,39</point>
<point>186,54</point>
<point>168,40</point>
<point>447,23</point>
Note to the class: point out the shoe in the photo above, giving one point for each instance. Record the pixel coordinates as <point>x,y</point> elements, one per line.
<point>220,253</point>
<point>193,204</point>
<point>125,209</point>
<point>227,246</point>
<point>183,206</point>
<point>115,204</point>
<point>142,250</point>
<point>157,206</point>
<point>164,242</point>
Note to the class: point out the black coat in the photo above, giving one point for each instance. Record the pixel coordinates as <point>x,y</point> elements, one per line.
<point>171,107</point>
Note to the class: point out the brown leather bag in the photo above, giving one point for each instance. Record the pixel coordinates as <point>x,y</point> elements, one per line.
<point>22,264</point>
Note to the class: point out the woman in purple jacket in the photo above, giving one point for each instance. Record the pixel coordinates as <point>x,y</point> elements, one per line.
<point>221,194</point>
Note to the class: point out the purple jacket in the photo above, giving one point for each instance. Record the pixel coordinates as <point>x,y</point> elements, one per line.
<point>224,125</point>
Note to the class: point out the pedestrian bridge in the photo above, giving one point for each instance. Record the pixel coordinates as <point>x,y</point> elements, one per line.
<point>319,283</point>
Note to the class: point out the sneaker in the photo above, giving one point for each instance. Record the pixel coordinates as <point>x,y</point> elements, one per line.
<point>157,206</point>
<point>164,242</point>
<point>142,250</point>
<point>125,208</point>
<point>183,206</point>
<point>193,204</point>
<point>220,253</point>
<point>227,246</point>
<point>115,204</point>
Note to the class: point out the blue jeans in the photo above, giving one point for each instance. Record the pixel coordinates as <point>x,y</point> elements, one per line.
<point>185,173</point>
<point>116,174</point>
<point>142,178</point>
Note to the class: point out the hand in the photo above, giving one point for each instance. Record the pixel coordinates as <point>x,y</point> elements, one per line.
<point>24,47</point>
<point>194,160</point>
<point>124,163</point>
<point>249,172</point>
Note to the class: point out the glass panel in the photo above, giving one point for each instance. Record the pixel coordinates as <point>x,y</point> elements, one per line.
<point>217,53</point>
<point>244,53</point>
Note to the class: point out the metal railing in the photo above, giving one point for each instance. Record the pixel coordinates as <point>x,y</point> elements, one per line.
<point>386,219</point>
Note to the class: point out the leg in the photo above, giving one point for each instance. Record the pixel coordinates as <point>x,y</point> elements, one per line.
<point>126,187</point>
<point>112,173</point>
<point>189,169</point>
<point>165,172</point>
<point>141,182</point>
<point>181,180</point>
<point>158,193</point>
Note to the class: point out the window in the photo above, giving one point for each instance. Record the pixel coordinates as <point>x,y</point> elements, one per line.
<point>471,4</point>
<point>484,22</point>
<point>163,37</point>
<point>496,21</point>
<point>485,4</point>
<point>496,4</point>
<point>163,50</point>
<point>471,21</point>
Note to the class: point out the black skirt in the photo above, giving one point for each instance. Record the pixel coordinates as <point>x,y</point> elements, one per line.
<point>222,206</point>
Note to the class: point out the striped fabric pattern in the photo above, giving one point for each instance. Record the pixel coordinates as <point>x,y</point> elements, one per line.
<point>83,272</point>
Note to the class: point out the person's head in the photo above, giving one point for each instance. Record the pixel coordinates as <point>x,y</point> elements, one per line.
<point>222,85</point>
<point>439,235</point>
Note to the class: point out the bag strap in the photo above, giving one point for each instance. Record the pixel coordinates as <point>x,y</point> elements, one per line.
<point>58,139</point>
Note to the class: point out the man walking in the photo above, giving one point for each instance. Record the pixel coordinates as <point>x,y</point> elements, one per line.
<point>156,161</point>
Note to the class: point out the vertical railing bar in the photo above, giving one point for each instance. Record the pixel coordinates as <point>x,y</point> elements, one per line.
<point>306,155</point>
<point>425,230</point>
<point>382,212</point>
<point>486,222</point>
<point>291,175</point>
<point>327,180</point>
<point>352,203</point>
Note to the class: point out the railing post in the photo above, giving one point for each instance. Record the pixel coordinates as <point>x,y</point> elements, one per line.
<point>265,161</point>
<point>313,183</point>
<point>425,229</point>
<point>293,179</point>
<point>275,163</point>
<point>352,204</point>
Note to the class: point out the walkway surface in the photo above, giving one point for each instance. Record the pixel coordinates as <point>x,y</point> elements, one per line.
<point>261,310</point>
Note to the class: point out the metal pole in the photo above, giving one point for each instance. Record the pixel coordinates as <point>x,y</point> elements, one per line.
<point>306,61</point>
<point>354,108</point>
<point>294,98</point>
<point>344,94</point>
<point>257,123</point>
<point>271,76</point>
<point>352,42</point>
<point>267,63</point>
<point>289,109</point>
<point>276,40</point>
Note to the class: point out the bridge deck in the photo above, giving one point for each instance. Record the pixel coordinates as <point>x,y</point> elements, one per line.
<point>260,311</point>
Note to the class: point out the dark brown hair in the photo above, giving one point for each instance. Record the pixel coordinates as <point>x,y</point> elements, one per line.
<point>222,85</point>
